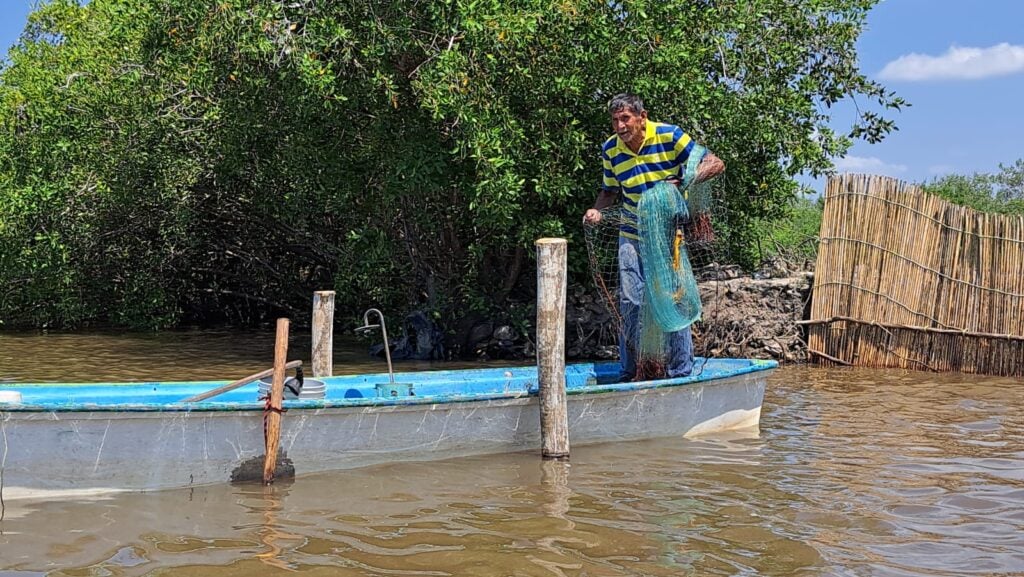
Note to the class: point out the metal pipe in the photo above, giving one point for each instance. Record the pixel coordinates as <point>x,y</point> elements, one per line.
<point>384,332</point>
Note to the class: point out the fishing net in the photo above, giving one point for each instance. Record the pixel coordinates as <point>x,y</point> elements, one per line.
<point>670,289</point>
<point>675,228</point>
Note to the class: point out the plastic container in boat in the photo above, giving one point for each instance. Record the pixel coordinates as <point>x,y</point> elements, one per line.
<point>10,397</point>
<point>311,388</point>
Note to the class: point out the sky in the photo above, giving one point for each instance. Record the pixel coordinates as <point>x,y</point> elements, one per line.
<point>959,64</point>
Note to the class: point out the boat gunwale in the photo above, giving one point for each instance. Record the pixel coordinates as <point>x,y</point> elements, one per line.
<point>759,366</point>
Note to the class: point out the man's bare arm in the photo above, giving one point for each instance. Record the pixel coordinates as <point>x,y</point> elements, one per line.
<point>710,166</point>
<point>604,199</point>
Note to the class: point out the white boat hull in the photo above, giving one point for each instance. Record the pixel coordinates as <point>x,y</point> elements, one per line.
<point>49,453</point>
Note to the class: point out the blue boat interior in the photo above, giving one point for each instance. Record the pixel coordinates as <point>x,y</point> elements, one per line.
<point>355,390</point>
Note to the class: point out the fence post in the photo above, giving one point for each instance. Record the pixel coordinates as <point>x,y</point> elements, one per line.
<point>323,333</point>
<point>551,287</point>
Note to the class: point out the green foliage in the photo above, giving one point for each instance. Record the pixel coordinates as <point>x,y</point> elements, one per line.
<point>184,160</point>
<point>1002,192</point>
<point>794,237</point>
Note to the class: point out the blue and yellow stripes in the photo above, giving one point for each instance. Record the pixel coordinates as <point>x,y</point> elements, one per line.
<point>663,155</point>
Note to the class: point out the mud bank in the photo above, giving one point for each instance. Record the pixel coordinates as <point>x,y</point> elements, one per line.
<point>750,317</point>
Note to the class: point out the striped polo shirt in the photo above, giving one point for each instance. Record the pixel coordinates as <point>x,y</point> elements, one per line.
<point>664,153</point>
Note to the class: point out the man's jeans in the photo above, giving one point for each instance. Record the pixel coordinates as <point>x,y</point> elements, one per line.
<point>631,298</point>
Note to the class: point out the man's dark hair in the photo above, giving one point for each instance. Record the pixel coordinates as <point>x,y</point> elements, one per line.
<point>625,100</point>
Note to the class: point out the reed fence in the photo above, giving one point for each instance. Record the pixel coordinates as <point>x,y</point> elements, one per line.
<point>906,279</point>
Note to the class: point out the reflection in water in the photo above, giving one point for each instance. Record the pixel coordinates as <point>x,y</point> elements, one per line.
<point>268,501</point>
<point>554,482</point>
<point>854,472</point>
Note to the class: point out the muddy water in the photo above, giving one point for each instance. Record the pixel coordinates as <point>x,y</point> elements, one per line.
<point>169,356</point>
<point>854,472</point>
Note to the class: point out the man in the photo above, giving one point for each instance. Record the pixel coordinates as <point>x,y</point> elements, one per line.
<point>639,154</point>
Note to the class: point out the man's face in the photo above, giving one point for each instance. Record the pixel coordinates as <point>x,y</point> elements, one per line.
<point>629,126</point>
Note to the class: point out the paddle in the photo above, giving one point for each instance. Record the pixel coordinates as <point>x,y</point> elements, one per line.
<point>234,385</point>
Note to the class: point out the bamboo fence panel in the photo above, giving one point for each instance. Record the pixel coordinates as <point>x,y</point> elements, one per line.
<point>906,279</point>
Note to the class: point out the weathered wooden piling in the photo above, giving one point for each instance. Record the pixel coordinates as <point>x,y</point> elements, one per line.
<point>273,413</point>
<point>551,287</point>
<point>323,333</point>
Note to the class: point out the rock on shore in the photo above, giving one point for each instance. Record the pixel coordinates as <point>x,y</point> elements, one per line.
<point>754,318</point>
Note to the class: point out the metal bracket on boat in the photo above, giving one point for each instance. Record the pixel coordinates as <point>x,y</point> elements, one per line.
<point>395,390</point>
<point>391,389</point>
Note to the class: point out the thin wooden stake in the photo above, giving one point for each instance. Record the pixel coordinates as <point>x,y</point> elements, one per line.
<point>273,414</point>
<point>551,286</point>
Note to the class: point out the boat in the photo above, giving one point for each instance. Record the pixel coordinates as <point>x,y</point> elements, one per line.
<point>62,440</point>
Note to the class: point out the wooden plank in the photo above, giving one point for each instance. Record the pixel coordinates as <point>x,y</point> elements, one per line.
<point>240,382</point>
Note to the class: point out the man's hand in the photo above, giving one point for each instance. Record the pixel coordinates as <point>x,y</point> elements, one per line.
<point>604,199</point>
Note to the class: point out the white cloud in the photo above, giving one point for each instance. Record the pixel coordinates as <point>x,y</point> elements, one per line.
<point>868,165</point>
<point>958,63</point>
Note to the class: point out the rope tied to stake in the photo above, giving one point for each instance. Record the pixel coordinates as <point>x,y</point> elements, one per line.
<point>269,408</point>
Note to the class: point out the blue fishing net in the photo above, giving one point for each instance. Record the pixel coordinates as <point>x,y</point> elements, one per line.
<point>697,196</point>
<point>671,296</point>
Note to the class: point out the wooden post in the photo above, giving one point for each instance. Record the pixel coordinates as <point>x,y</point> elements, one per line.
<point>551,285</point>
<point>273,413</point>
<point>323,333</point>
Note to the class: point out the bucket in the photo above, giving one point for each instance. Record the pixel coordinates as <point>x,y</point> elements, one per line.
<point>311,388</point>
<point>10,397</point>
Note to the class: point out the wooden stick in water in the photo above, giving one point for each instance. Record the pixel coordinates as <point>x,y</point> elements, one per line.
<point>273,414</point>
